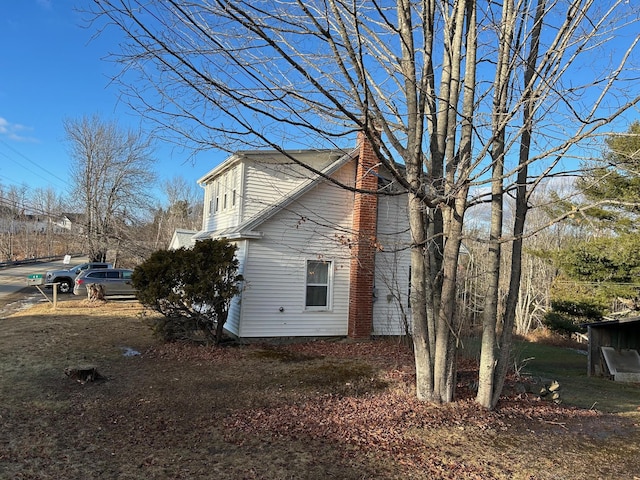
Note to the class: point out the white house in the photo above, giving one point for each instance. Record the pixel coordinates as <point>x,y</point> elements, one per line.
<point>182,238</point>
<point>317,259</point>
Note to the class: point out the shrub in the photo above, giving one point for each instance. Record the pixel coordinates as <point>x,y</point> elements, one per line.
<point>192,288</point>
<point>583,310</point>
<point>561,323</point>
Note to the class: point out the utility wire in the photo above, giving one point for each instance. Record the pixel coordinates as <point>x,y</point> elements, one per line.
<point>39,167</point>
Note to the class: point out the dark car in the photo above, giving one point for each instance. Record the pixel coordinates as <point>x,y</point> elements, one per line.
<point>115,281</point>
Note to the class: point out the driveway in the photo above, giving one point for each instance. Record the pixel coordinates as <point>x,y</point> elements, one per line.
<point>14,291</point>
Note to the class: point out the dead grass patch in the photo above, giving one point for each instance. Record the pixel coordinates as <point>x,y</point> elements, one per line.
<point>313,410</point>
<point>549,337</point>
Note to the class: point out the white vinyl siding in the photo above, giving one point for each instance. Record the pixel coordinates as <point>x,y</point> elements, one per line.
<point>254,182</point>
<point>273,303</point>
<point>271,178</point>
<point>222,212</point>
<point>391,313</point>
<point>315,226</point>
<point>235,309</point>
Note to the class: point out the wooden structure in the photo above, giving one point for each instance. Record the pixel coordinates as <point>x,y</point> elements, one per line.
<point>620,335</point>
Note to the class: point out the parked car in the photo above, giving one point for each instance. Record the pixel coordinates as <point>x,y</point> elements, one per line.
<point>116,281</point>
<point>66,278</point>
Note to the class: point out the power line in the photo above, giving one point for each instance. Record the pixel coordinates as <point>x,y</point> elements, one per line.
<point>28,208</point>
<point>39,167</point>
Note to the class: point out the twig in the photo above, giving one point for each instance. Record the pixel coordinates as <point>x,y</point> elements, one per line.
<point>561,424</point>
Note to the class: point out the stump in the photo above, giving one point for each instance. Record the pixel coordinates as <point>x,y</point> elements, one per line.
<point>83,374</point>
<point>95,292</point>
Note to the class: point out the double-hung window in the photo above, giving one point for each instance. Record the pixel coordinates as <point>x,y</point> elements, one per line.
<point>318,293</point>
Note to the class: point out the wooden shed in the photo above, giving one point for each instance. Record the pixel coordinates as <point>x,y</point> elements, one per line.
<point>613,348</point>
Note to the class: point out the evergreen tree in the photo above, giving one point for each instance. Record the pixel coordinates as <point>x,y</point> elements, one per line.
<point>611,186</point>
<point>607,265</point>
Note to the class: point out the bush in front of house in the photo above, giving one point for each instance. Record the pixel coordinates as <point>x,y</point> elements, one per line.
<point>191,287</point>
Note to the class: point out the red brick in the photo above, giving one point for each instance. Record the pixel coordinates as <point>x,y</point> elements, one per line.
<point>365,216</point>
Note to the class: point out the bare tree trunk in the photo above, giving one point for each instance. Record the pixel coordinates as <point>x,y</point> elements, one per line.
<point>422,333</point>
<point>490,317</point>
<point>522,206</point>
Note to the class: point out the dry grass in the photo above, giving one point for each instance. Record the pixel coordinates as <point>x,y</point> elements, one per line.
<point>549,337</point>
<point>306,411</point>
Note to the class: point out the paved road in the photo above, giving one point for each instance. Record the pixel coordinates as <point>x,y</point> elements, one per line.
<point>14,279</point>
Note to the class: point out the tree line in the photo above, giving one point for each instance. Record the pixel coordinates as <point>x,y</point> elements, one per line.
<point>110,208</point>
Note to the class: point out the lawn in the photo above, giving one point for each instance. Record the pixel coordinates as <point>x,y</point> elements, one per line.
<point>316,410</point>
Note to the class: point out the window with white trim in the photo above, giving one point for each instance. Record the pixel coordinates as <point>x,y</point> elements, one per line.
<point>318,285</point>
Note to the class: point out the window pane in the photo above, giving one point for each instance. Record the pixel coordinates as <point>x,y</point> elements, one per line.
<point>317,272</point>
<point>316,296</point>
<point>317,290</point>
<point>113,275</point>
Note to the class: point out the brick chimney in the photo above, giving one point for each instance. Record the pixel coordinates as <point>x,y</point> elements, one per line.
<point>365,218</point>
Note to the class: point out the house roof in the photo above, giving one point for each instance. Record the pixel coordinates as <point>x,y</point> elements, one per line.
<point>613,323</point>
<point>247,228</point>
<point>243,154</point>
<point>181,238</point>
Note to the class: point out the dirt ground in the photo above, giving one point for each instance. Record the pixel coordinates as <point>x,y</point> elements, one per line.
<point>14,302</point>
<point>315,410</point>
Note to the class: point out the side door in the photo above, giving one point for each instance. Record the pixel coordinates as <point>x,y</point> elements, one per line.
<point>127,285</point>
<point>112,284</point>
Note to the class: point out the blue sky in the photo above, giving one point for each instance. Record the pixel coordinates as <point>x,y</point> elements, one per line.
<point>52,70</point>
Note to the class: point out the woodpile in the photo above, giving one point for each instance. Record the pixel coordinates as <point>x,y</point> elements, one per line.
<point>551,392</point>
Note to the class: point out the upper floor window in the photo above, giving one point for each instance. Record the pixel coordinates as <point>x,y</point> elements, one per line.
<point>223,192</point>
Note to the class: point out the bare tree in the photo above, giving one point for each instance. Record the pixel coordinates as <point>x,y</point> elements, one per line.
<point>112,174</point>
<point>17,242</point>
<point>48,205</point>
<point>465,102</point>
<point>183,209</point>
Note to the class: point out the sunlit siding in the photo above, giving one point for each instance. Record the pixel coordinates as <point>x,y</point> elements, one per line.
<point>235,309</point>
<point>266,182</point>
<point>253,181</point>
<point>314,227</point>
<point>222,207</point>
<point>391,315</point>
